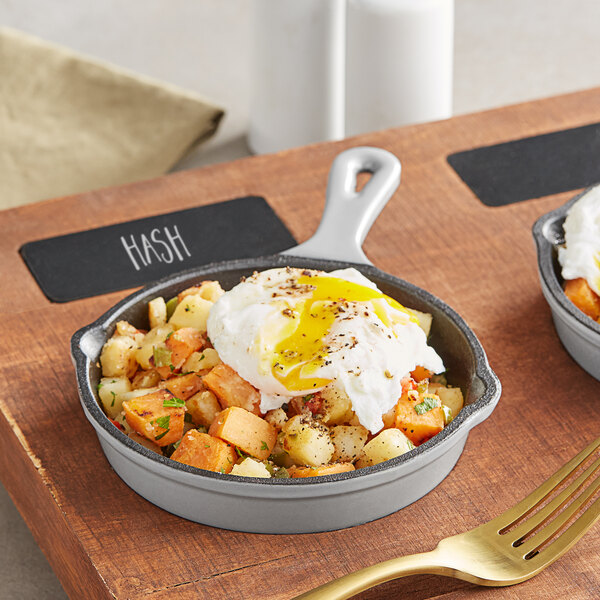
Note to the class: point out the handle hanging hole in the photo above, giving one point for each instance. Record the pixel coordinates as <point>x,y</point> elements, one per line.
<point>362,178</point>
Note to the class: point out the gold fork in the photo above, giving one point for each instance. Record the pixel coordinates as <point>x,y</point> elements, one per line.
<point>507,550</point>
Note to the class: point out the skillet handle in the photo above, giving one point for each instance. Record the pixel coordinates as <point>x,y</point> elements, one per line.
<point>348,214</point>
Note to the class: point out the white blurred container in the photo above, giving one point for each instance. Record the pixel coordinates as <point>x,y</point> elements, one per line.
<point>298,76</point>
<point>399,58</point>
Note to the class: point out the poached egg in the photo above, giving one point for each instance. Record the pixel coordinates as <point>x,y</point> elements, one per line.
<point>581,255</point>
<point>292,332</point>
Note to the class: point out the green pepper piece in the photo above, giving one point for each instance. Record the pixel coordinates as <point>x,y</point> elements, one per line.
<point>162,356</point>
<point>171,306</point>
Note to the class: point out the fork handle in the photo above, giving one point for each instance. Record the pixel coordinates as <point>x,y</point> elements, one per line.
<point>353,583</point>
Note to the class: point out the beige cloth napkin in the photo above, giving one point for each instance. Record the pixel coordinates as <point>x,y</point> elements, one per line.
<point>69,124</point>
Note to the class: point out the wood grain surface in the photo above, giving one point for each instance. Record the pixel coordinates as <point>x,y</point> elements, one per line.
<point>104,541</point>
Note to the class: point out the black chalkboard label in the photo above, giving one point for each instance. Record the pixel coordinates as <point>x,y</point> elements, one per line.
<point>532,167</point>
<point>134,253</point>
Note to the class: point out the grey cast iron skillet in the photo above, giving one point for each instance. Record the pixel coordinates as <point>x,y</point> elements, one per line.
<point>579,334</point>
<point>317,503</point>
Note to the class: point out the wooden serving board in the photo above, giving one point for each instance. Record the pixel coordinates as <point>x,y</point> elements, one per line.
<point>105,541</point>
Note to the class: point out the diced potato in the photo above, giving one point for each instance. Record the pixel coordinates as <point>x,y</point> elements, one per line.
<point>307,442</point>
<point>348,441</point>
<point>148,416</point>
<point>451,397</point>
<point>425,320</point>
<point>337,407</point>
<point>579,292</point>
<point>209,290</point>
<point>203,451</point>
<point>145,379</point>
<point>249,433</point>
<point>434,388</point>
<point>157,312</point>
<point>250,468</point>
<point>276,417</point>
<point>386,445</point>
<point>118,357</point>
<point>192,311</point>
<point>199,361</point>
<point>138,393</point>
<point>110,391</point>
<point>203,408</point>
<point>154,338</point>
<point>324,470</point>
<point>416,425</point>
<point>128,330</point>
<point>231,390</point>
<point>136,437</point>
<point>183,386</point>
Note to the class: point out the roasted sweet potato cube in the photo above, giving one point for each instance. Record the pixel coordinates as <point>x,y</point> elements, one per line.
<point>184,386</point>
<point>583,297</point>
<point>249,433</point>
<point>231,390</point>
<point>323,470</point>
<point>178,347</point>
<point>182,343</point>
<point>205,452</point>
<point>419,417</point>
<point>156,416</point>
<point>421,373</point>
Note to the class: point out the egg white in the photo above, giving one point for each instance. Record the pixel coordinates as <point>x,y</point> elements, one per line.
<point>365,358</point>
<point>581,255</point>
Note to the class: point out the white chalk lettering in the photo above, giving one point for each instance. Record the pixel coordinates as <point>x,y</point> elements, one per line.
<point>173,238</point>
<point>129,248</point>
<point>162,245</point>
<point>148,248</point>
<point>167,255</point>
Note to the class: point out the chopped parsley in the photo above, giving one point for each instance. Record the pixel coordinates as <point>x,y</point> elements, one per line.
<point>263,445</point>
<point>168,335</point>
<point>240,453</point>
<point>429,403</point>
<point>114,397</point>
<point>100,386</point>
<point>162,422</point>
<point>173,403</point>
<point>307,398</point>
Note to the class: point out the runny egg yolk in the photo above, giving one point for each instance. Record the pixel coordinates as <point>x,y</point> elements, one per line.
<point>298,356</point>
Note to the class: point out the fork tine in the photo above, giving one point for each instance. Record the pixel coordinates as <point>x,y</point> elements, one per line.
<point>556,525</point>
<point>531,502</point>
<point>567,539</point>
<point>535,522</point>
